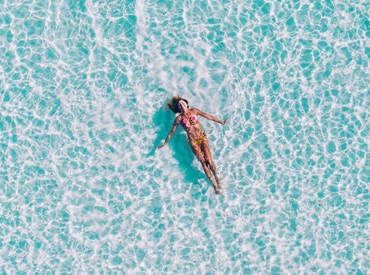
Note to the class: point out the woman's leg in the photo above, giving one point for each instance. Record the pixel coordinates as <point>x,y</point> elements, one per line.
<point>208,158</point>
<point>196,148</point>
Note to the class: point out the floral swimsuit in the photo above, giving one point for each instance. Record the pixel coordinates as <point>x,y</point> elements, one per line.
<point>187,123</point>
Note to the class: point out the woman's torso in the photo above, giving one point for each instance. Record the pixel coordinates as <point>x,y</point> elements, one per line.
<point>189,121</point>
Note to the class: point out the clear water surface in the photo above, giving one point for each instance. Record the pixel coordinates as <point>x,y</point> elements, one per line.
<point>83,85</point>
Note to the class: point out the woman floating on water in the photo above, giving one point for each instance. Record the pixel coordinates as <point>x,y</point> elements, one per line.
<point>197,139</point>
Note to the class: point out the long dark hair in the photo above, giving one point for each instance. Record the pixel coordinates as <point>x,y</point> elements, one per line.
<point>172,103</point>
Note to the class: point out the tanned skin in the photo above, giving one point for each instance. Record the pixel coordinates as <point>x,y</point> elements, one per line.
<point>202,150</point>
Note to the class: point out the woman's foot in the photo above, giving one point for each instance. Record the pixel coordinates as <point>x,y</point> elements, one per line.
<point>217,191</point>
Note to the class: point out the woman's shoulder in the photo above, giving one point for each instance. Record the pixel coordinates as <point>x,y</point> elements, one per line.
<point>179,117</point>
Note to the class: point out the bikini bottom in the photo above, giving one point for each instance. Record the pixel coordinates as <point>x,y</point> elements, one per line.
<point>198,140</point>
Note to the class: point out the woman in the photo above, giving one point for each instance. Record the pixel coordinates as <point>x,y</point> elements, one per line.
<point>197,139</point>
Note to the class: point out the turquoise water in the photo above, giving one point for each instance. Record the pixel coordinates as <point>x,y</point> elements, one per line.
<point>83,86</point>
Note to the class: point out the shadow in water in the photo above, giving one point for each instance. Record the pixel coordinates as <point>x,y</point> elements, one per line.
<point>164,118</point>
<point>185,157</point>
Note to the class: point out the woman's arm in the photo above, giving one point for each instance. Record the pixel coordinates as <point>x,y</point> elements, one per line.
<point>173,130</point>
<point>210,117</point>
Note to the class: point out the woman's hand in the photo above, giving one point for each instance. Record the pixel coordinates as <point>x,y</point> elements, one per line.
<point>160,146</point>
<point>226,120</point>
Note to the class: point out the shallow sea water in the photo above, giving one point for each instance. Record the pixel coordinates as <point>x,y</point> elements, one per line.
<point>83,85</point>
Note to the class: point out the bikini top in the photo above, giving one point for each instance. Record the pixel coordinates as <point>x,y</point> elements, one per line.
<point>186,123</point>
